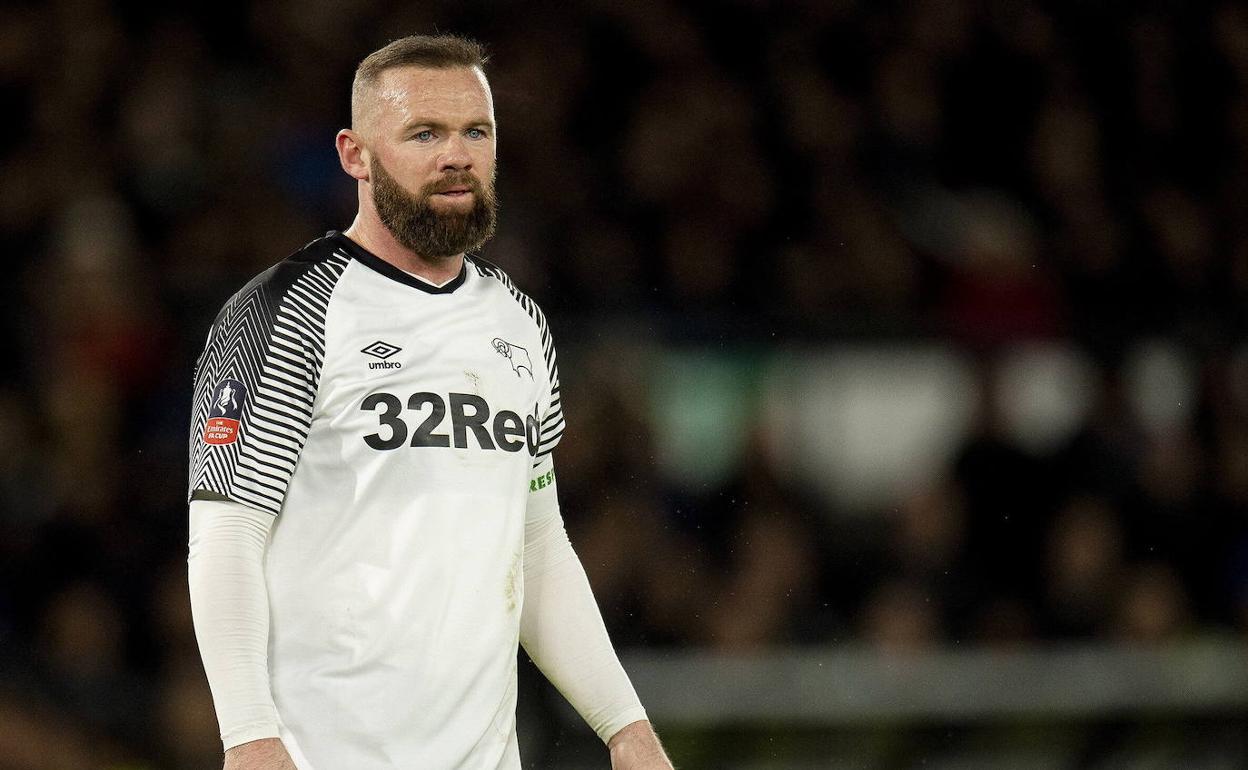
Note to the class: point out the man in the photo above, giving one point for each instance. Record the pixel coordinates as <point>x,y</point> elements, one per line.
<point>374,519</point>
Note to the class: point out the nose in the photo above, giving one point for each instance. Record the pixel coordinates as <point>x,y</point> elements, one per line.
<point>455,157</point>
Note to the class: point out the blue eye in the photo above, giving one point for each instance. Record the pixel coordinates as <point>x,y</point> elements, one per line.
<point>476,133</point>
<point>423,136</point>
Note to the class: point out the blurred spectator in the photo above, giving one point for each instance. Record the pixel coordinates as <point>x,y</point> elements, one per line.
<point>1086,565</point>
<point>1154,606</point>
<point>901,617</point>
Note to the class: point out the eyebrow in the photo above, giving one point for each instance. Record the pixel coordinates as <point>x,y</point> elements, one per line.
<point>443,124</point>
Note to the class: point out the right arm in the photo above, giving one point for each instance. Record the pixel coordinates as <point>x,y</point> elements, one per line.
<point>254,389</point>
<point>230,607</point>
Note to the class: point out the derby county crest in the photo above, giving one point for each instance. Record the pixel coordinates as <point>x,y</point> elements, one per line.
<point>516,355</point>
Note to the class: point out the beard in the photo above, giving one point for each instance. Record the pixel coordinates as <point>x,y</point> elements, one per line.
<point>430,233</point>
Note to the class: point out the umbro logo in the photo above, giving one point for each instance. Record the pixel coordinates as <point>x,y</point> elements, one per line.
<point>382,350</point>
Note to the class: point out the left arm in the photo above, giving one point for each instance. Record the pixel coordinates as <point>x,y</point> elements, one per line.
<point>562,631</point>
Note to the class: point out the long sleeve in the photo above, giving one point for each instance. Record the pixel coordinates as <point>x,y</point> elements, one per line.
<point>229,603</point>
<point>561,627</point>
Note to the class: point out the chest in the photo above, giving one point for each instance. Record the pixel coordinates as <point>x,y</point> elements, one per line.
<point>451,372</point>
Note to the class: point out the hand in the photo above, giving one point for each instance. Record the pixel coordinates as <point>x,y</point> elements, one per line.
<point>264,754</point>
<point>636,747</point>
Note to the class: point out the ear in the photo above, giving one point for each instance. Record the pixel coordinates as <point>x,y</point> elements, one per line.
<point>352,154</point>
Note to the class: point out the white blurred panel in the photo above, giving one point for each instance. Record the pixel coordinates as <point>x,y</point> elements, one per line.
<point>867,426</point>
<point>1161,384</point>
<point>1045,392</point>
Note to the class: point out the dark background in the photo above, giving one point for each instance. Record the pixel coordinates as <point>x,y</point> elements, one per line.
<point>731,186</point>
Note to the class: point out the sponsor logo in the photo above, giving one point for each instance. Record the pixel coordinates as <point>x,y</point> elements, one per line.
<point>382,350</point>
<point>541,482</point>
<point>517,356</point>
<point>469,414</point>
<point>225,412</point>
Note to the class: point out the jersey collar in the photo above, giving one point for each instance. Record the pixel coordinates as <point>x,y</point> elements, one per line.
<point>371,260</point>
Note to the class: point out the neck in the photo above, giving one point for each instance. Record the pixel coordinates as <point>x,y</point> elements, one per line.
<point>370,233</point>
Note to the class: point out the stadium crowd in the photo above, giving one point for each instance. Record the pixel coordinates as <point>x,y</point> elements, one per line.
<point>981,173</point>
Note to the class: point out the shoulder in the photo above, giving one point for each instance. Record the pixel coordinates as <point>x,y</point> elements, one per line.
<point>312,270</point>
<point>489,270</point>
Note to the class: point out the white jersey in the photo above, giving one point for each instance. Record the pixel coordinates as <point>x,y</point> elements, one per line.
<point>394,429</point>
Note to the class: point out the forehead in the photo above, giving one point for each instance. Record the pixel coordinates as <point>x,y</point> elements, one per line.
<point>406,94</point>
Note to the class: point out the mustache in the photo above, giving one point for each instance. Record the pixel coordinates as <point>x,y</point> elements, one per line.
<point>453,181</point>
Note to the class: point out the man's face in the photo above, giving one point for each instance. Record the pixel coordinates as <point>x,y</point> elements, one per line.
<point>431,137</point>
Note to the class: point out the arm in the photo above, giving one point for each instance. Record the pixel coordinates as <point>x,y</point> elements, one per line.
<point>230,607</point>
<point>255,387</point>
<point>636,746</point>
<point>562,631</point>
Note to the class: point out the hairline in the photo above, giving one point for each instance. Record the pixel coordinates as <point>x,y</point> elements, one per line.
<point>424,52</point>
<point>361,89</point>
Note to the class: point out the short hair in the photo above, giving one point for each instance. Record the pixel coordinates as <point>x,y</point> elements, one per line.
<point>432,51</point>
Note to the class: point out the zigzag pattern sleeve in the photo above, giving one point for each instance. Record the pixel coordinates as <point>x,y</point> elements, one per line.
<point>271,338</point>
<point>552,420</point>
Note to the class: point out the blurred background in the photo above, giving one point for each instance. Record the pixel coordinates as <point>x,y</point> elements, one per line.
<point>903,348</point>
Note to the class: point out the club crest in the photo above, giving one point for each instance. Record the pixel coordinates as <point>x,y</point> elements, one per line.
<point>517,356</point>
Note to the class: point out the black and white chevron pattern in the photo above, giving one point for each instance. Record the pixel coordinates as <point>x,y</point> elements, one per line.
<point>552,421</point>
<point>271,337</point>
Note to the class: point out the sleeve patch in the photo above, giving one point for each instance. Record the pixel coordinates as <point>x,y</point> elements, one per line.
<point>228,397</point>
